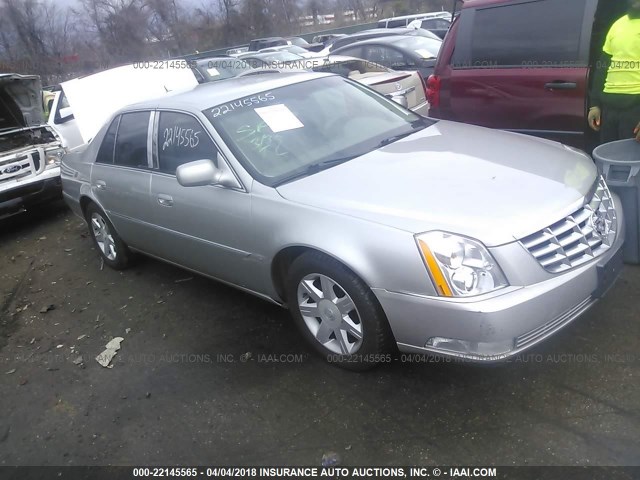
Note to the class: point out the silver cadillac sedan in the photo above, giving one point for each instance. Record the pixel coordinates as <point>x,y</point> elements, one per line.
<point>376,227</point>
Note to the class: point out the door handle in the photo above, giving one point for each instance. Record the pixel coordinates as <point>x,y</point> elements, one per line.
<point>165,200</point>
<point>101,185</point>
<point>560,85</point>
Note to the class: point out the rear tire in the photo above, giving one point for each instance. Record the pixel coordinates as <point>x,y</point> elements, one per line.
<point>110,246</point>
<point>337,313</point>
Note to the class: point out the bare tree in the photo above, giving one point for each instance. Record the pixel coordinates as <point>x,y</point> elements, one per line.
<point>36,37</point>
<point>122,27</point>
<point>171,25</point>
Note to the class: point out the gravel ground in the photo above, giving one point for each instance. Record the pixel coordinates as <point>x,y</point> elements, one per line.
<point>210,375</point>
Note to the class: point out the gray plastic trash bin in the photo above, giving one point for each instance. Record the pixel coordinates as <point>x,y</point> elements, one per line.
<point>619,162</point>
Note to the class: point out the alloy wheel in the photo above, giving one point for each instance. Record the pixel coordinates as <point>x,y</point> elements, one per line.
<point>104,238</point>
<point>330,314</point>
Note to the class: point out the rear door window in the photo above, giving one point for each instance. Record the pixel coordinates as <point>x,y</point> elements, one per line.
<point>352,52</point>
<point>538,33</point>
<point>382,55</point>
<point>182,139</point>
<point>131,140</point>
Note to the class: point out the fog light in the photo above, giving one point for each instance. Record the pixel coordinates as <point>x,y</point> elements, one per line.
<point>452,344</point>
<point>471,350</point>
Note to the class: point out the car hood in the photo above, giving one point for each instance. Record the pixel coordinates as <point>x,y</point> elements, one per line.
<point>95,98</point>
<point>22,122</point>
<point>20,101</point>
<point>490,185</point>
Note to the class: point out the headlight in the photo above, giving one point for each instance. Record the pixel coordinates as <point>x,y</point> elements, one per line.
<point>459,266</point>
<point>53,159</point>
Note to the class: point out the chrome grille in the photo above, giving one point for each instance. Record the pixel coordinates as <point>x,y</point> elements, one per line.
<point>578,238</point>
<point>15,167</point>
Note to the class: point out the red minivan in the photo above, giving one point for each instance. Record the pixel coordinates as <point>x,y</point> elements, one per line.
<point>523,66</point>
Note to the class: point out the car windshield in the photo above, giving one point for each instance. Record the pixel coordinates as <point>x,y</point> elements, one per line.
<point>219,69</point>
<point>293,131</point>
<point>421,32</point>
<point>300,42</point>
<point>423,46</point>
<point>288,48</point>
<point>280,56</point>
<point>295,49</point>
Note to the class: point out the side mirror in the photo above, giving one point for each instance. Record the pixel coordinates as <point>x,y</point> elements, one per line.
<point>204,172</point>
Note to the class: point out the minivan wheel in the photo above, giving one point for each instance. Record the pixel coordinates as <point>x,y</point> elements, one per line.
<point>337,313</point>
<point>110,246</point>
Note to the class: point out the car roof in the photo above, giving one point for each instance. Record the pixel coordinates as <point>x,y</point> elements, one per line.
<point>424,15</point>
<point>267,39</point>
<point>262,55</point>
<point>215,93</point>
<point>390,31</point>
<point>482,3</point>
<point>392,39</point>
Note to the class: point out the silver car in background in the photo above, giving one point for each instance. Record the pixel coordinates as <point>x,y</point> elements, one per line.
<point>375,226</point>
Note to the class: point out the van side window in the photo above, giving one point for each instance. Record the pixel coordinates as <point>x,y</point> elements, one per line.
<point>131,141</point>
<point>539,33</point>
<point>397,23</point>
<point>105,153</point>
<point>182,139</point>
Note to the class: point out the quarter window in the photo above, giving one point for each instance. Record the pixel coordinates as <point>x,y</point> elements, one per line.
<point>131,141</point>
<point>105,154</point>
<point>182,139</point>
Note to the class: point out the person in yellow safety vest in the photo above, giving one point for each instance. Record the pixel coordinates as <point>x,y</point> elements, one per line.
<point>615,91</point>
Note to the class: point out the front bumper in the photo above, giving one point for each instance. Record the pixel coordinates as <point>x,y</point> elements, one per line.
<point>495,327</point>
<point>22,194</point>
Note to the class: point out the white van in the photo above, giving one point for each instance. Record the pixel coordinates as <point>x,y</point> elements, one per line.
<point>405,20</point>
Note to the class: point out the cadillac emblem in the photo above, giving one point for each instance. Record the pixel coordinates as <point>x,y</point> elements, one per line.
<point>599,223</point>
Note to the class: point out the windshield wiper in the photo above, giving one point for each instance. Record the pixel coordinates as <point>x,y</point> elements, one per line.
<point>315,168</point>
<point>416,126</point>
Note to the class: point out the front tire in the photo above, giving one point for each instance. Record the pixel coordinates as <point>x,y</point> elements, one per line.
<point>337,312</point>
<point>112,249</point>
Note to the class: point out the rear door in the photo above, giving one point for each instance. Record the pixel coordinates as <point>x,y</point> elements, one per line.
<point>522,66</point>
<point>120,177</point>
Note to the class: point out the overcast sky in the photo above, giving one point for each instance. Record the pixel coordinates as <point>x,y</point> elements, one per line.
<point>74,3</point>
